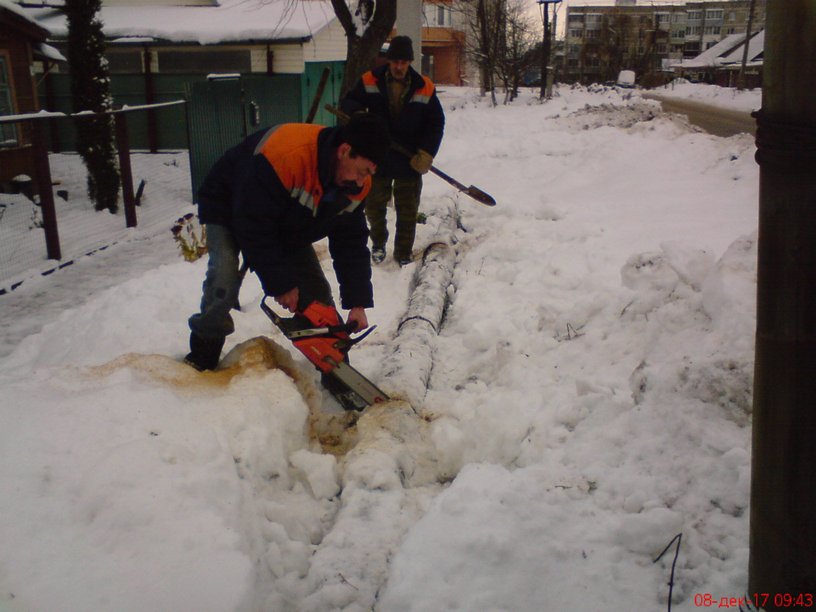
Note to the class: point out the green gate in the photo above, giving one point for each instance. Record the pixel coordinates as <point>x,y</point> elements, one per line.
<point>222,112</point>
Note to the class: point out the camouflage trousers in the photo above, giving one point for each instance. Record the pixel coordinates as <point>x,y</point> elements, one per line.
<point>406,193</point>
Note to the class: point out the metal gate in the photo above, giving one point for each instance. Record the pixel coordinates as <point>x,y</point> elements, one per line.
<point>223,111</point>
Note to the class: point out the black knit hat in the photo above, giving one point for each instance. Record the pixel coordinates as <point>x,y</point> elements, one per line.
<point>401,48</point>
<point>367,134</point>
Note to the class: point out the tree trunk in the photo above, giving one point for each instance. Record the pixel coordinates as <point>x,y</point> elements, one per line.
<point>361,51</point>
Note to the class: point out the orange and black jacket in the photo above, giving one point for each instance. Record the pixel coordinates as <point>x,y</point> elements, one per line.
<point>421,122</point>
<point>275,191</point>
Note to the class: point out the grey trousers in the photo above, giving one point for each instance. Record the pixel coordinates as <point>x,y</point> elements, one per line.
<point>223,282</point>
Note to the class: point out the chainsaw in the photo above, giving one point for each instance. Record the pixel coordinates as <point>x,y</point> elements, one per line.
<point>322,337</point>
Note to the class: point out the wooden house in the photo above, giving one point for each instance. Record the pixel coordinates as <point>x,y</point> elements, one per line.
<point>22,43</point>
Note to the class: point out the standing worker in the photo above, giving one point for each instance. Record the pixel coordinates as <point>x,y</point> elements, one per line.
<point>408,102</point>
<point>270,198</point>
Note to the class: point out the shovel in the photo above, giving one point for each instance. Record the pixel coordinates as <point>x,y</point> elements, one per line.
<point>472,191</point>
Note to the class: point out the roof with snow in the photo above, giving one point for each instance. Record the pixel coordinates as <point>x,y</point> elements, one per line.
<point>729,51</point>
<point>229,21</point>
<point>19,13</point>
<point>756,48</point>
<point>32,28</point>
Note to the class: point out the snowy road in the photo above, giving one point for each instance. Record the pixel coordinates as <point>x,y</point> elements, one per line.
<point>713,119</point>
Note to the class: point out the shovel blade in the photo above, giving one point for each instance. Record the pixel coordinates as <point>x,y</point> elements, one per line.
<point>480,196</point>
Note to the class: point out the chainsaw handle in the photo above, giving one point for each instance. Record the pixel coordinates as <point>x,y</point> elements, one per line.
<point>345,328</point>
<point>276,318</point>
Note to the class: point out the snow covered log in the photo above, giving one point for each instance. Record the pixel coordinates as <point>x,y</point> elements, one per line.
<point>408,369</point>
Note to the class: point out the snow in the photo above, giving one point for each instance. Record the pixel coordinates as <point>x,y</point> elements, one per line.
<point>589,399</point>
<point>724,97</point>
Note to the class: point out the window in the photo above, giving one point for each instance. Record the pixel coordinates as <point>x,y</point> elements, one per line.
<point>576,33</point>
<point>8,131</point>
<point>712,30</point>
<point>593,19</point>
<point>714,14</point>
<point>437,15</point>
<point>694,15</point>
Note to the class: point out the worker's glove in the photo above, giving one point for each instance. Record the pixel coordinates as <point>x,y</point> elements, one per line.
<point>421,161</point>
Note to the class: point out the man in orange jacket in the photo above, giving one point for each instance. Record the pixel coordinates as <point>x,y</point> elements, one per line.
<point>270,198</point>
<point>408,102</point>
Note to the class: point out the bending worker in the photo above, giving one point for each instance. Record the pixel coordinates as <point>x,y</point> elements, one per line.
<point>270,198</point>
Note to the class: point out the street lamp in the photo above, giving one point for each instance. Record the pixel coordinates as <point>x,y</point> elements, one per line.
<point>545,47</point>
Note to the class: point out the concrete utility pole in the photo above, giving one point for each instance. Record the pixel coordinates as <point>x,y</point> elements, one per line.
<point>546,45</point>
<point>748,28</point>
<point>409,23</point>
<point>782,563</point>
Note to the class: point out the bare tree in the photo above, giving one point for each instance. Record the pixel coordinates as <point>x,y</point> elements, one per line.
<point>90,91</point>
<point>486,22</point>
<point>366,32</point>
<point>516,44</point>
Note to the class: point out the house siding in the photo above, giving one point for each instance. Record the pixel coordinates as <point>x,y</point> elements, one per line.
<point>328,45</point>
<point>287,59</point>
<point>16,38</point>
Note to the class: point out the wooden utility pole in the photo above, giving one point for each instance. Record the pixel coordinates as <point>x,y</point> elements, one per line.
<point>782,563</point>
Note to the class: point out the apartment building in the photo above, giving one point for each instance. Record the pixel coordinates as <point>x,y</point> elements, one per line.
<point>649,39</point>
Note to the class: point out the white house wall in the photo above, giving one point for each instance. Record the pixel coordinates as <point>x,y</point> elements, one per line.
<point>327,45</point>
<point>288,59</point>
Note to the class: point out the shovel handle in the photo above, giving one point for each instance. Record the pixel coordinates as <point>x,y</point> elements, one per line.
<point>474,192</point>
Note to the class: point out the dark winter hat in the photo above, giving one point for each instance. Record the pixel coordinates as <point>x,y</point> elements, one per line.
<point>401,48</point>
<point>367,134</point>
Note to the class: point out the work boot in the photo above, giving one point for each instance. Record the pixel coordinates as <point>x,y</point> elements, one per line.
<point>377,255</point>
<point>204,354</point>
<point>404,261</point>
